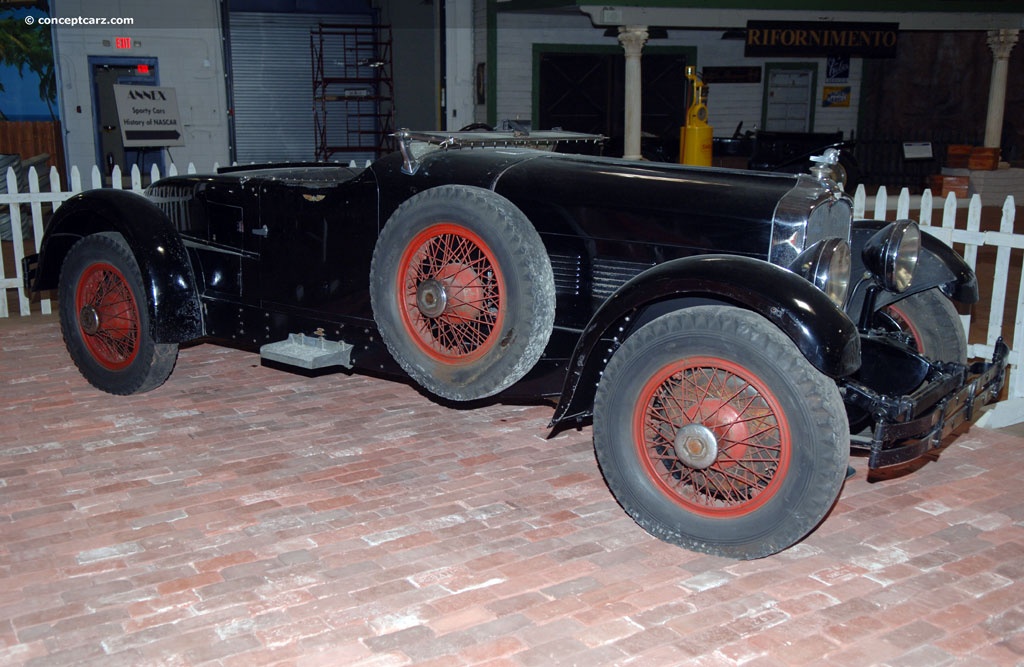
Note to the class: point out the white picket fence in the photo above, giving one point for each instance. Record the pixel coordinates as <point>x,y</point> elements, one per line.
<point>13,202</point>
<point>1007,412</point>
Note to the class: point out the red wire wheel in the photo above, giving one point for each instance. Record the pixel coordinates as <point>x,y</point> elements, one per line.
<point>726,423</point>
<point>715,433</point>
<point>462,291</point>
<point>931,321</point>
<point>107,329</point>
<point>452,293</point>
<point>108,316</point>
<point>905,324</point>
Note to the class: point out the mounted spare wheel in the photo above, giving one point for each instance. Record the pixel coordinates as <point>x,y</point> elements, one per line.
<point>462,291</point>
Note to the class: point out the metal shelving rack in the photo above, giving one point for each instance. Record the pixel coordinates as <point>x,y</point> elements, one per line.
<point>353,90</point>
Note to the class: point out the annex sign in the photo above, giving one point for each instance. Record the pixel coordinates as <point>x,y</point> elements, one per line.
<point>148,116</point>
<point>780,38</point>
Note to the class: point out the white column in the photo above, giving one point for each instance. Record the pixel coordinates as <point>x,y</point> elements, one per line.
<point>632,39</point>
<point>1001,42</point>
<point>459,63</point>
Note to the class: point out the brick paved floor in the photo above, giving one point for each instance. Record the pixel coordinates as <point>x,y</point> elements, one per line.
<point>241,515</point>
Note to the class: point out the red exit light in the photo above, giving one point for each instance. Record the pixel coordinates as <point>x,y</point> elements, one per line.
<point>142,69</point>
<point>122,42</point>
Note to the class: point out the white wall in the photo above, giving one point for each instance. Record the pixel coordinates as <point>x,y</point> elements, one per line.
<point>459,60</point>
<point>728,104</point>
<point>416,62</point>
<point>185,37</point>
<point>479,58</point>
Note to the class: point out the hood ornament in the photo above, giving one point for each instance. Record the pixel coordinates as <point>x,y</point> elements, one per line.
<point>829,172</point>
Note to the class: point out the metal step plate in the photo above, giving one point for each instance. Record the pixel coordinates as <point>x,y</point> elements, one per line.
<point>308,352</point>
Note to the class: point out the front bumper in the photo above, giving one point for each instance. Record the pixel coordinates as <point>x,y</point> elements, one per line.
<point>907,427</point>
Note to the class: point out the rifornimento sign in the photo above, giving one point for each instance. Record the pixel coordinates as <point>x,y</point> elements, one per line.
<point>779,38</point>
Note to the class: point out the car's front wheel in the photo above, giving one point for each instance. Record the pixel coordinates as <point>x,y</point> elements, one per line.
<point>931,322</point>
<point>104,319</point>
<point>713,432</point>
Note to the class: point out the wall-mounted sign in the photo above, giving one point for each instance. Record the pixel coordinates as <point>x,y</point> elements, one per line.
<point>837,69</point>
<point>835,96</point>
<point>917,150</point>
<point>808,38</point>
<point>732,74</point>
<point>148,116</point>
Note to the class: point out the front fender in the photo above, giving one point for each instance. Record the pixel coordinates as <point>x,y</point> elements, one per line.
<point>173,301</point>
<point>938,265</point>
<point>821,331</point>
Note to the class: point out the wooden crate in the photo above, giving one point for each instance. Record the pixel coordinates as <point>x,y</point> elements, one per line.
<point>941,186</point>
<point>983,159</point>
<point>957,156</point>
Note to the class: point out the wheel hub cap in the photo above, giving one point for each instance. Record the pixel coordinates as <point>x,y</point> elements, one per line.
<point>89,318</point>
<point>696,446</point>
<point>431,298</point>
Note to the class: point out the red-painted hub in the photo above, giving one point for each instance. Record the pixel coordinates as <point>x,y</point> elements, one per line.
<point>451,293</point>
<point>108,316</point>
<point>699,405</point>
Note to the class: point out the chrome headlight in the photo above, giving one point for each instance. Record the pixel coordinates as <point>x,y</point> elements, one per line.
<point>826,265</point>
<point>891,254</point>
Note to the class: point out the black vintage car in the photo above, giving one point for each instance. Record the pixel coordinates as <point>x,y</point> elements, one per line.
<point>726,331</point>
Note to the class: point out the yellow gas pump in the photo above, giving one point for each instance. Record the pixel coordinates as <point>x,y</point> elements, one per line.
<point>695,136</point>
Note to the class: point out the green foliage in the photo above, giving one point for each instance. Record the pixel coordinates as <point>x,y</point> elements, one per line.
<point>24,46</point>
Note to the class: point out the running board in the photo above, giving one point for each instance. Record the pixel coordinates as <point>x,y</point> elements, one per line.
<point>309,352</point>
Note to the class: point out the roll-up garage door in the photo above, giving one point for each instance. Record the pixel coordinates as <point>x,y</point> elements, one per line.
<point>272,84</point>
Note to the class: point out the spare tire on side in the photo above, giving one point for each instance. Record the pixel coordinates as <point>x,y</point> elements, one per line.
<point>462,291</point>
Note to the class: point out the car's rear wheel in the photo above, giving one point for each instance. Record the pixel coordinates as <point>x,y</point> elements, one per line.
<point>104,319</point>
<point>715,433</point>
<point>462,291</point>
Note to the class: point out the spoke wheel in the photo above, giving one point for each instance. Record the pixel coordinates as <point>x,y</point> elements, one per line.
<point>105,320</point>
<point>108,316</point>
<point>453,294</point>
<point>462,291</point>
<point>737,418</point>
<point>931,322</point>
<point>713,432</point>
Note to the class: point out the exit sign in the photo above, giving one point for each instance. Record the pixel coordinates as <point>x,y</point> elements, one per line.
<point>122,42</point>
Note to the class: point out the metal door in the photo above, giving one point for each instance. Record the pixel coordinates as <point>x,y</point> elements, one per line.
<point>788,98</point>
<point>110,150</point>
<point>583,91</point>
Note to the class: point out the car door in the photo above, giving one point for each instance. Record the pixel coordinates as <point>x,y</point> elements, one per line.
<point>316,242</point>
<point>218,236</point>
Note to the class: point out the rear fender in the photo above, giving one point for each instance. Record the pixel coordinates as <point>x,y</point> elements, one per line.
<point>173,301</point>
<point>821,331</point>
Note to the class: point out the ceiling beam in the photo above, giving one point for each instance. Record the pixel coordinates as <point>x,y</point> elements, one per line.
<point>685,17</point>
